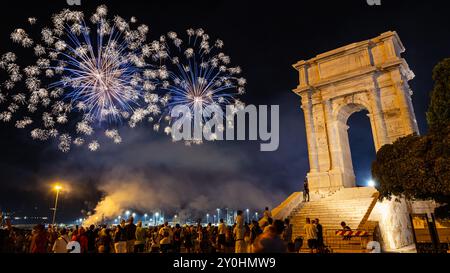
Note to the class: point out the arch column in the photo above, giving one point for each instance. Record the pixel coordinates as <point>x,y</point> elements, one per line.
<point>346,176</point>
<point>405,106</point>
<point>376,116</point>
<point>339,149</point>
<point>310,132</point>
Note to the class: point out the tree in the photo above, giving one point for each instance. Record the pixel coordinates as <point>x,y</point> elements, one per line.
<point>418,167</point>
<point>438,115</point>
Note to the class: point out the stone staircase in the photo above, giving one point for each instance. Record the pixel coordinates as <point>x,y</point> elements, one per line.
<point>351,205</point>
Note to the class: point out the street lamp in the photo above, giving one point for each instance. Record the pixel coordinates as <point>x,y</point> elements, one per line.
<point>248,215</point>
<point>207,218</point>
<point>127,213</point>
<point>145,217</point>
<point>218,215</point>
<point>156,218</point>
<point>134,215</point>
<point>227,217</point>
<point>57,188</point>
<point>256,215</point>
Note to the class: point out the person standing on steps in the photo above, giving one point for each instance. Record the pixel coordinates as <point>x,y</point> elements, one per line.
<point>319,229</point>
<point>305,190</point>
<point>310,234</point>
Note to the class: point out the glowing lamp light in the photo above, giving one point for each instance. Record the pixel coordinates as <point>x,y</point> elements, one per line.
<point>371,183</point>
<point>57,187</point>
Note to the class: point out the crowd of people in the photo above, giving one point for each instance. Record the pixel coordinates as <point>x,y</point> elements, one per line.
<point>264,236</point>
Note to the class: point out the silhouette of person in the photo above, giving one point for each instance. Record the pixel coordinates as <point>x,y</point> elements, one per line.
<point>305,190</point>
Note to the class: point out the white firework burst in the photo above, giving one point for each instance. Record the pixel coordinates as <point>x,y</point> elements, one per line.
<point>196,73</point>
<point>88,75</point>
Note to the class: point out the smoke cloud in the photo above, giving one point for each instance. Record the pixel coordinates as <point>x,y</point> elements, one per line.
<point>185,198</point>
<point>155,174</point>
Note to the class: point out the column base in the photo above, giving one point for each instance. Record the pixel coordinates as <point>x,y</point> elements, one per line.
<point>330,181</point>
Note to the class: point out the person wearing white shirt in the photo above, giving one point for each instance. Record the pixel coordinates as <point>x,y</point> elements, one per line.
<point>60,245</point>
<point>310,234</point>
<point>222,230</point>
<point>239,232</point>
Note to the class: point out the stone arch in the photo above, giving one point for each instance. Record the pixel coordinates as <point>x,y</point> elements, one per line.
<point>367,75</point>
<point>345,164</point>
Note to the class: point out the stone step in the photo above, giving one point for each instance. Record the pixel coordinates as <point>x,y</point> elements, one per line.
<point>351,205</point>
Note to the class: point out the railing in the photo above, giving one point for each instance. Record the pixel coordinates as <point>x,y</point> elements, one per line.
<point>356,240</point>
<point>344,243</point>
<point>284,209</point>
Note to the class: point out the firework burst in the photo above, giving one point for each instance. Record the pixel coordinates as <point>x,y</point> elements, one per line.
<point>98,73</point>
<point>195,73</point>
<point>88,74</point>
<point>102,82</point>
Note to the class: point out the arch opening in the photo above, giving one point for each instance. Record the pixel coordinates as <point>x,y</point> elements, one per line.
<point>362,146</point>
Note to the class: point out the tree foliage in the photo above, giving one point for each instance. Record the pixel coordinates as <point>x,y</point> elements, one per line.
<point>438,115</point>
<point>415,167</point>
<point>418,167</point>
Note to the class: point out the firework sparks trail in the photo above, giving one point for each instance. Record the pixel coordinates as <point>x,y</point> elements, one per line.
<point>196,74</point>
<point>88,74</point>
<point>102,73</point>
<point>104,84</point>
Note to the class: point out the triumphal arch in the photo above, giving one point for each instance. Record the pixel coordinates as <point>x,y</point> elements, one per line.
<point>369,75</point>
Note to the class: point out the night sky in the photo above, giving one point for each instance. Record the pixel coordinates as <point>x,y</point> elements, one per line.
<point>265,39</point>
